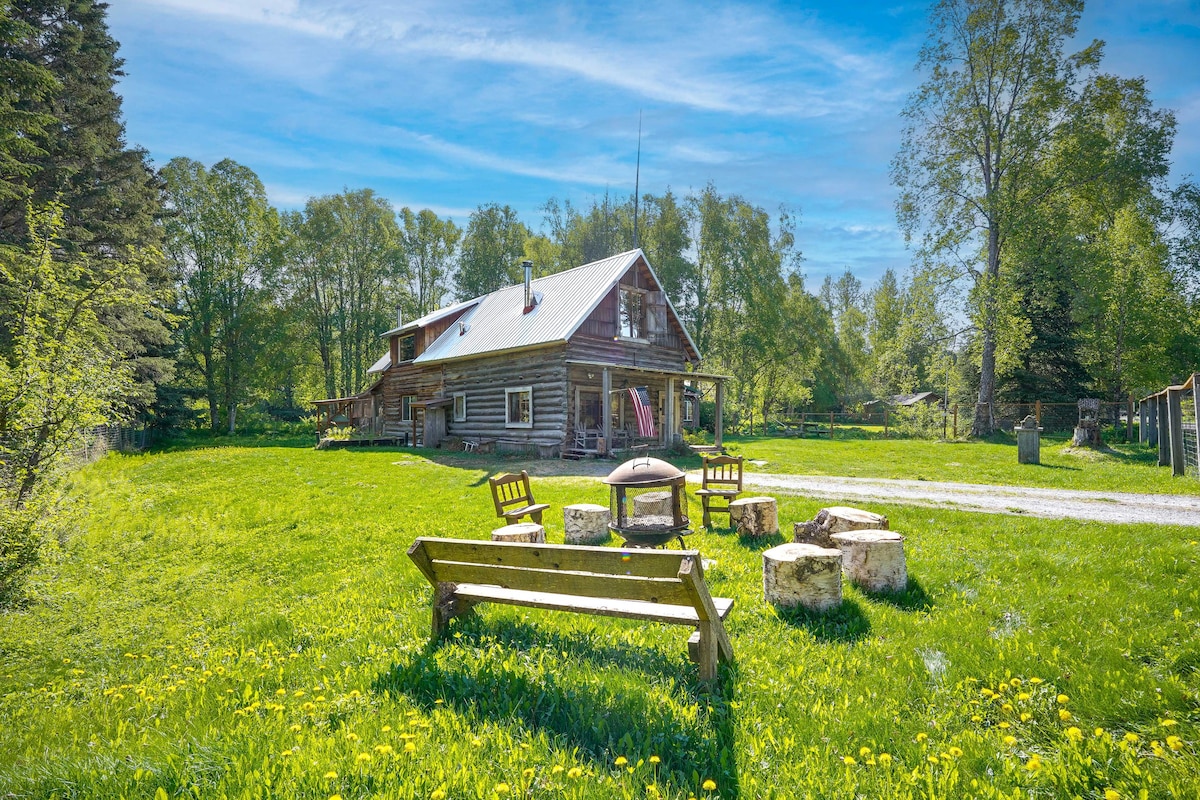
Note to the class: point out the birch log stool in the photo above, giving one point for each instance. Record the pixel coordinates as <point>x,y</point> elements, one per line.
<point>653,504</point>
<point>873,560</point>
<point>836,519</point>
<point>754,516</point>
<point>585,523</point>
<point>530,532</point>
<point>802,575</point>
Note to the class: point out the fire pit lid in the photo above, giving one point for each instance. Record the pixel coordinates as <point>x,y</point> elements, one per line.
<point>644,471</point>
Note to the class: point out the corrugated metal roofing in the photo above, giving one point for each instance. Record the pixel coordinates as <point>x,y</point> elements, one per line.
<point>432,316</point>
<point>382,364</point>
<point>498,323</point>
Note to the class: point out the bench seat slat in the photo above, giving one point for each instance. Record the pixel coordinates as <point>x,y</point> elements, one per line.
<point>608,607</point>
<point>576,584</point>
<point>573,558</point>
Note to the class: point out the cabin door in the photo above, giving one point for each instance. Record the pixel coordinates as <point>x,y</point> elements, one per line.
<point>588,408</point>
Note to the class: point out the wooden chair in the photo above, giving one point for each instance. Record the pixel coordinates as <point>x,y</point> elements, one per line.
<point>514,499</point>
<point>722,480</point>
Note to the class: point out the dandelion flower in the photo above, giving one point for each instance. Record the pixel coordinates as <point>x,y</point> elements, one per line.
<point>1112,794</point>
<point>438,794</point>
<point>1004,726</point>
<point>1010,740</point>
<point>1023,696</point>
<point>280,692</point>
<point>1166,723</point>
<point>528,772</point>
<point>575,772</point>
<point>1026,716</point>
<point>335,797</point>
<point>501,788</point>
<point>655,759</point>
<point>1035,680</point>
<point>383,749</point>
<point>386,728</point>
<point>884,759</point>
<point>1064,715</point>
<point>1074,734</point>
<point>1175,743</point>
<point>331,775</point>
<point>1033,764</point>
<point>1015,682</point>
<point>1063,699</point>
<point>1006,707</point>
<point>621,761</point>
<point>708,785</point>
<point>362,757</point>
<point>410,747</point>
<point>1131,737</point>
<point>557,768</point>
<point>931,759</point>
<point>922,736</point>
<point>956,752</point>
<point>296,728</point>
<point>849,761</point>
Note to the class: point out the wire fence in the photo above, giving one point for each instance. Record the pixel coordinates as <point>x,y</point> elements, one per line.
<point>104,438</point>
<point>1187,418</point>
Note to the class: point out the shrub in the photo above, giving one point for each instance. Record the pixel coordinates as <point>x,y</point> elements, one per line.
<point>920,421</point>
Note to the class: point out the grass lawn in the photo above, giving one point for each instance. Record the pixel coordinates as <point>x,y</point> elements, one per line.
<point>1123,467</point>
<point>243,622</point>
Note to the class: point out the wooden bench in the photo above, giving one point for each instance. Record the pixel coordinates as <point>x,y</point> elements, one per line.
<point>514,499</point>
<point>657,585</point>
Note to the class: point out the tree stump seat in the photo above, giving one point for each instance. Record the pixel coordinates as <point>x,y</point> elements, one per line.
<point>754,516</point>
<point>873,560</point>
<point>802,576</point>
<point>530,532</point>
<point>836,519</point>
<point>585,523</point>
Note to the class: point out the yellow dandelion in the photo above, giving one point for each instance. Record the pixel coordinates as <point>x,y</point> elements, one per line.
<point>362,757</point>
<point>476,742</point>
<point>1131,737</point>
<point>1023,696</point>
<point>655,759</point>
<point>1010,740</point>
<point>1064,715</point>
<point>922,736</point>
<point>1015,682</point>
<point>1033,764</point>
<point>884,759</point>
<point>1175,743</point>
<point>1166,723</point>
<point>410,747</point>
<point>1112,794</point>
<point>864,751</point>
<point>849,761</point>
<point>331,775</point>
<point>1074,734</point>
<point>557,768</point>
<point>1035,680</point>
<point>438,794</point>
<point>386,728</point>
<point>352,736</point>
<point>1026,716</point>
<point>501,788</point>
<point>1063,699</point>
<point>931,759</point>
<point>575,772</point>
<point>621,761</point>
<point>383,749</point>
<point>1004,726</point>
<point>280,692</point>
<point>528,772</point>
<point>335,797</point>
<point>976,718</point>
<point>956,752</point>
<point>708,785</point>
<point>296,728</point>
<point>1006,707</point>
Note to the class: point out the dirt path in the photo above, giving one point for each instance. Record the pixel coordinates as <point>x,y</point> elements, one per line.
<point>1159,509</point>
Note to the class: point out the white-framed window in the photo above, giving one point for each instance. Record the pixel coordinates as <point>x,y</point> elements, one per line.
<point>406,412</point>
<point>689,411</point>
<point>518,407</point>
<point>460,406</point>
<point>406,349</point>
<point>631,319</point>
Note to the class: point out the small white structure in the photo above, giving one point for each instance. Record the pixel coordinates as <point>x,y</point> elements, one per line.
<point>873,560</point>
<point>802,575</point>
<point>530,532</point>
<point>585,523</point>
<point>754,516</point>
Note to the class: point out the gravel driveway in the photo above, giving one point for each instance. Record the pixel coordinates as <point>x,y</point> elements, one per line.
<point>1159,509</point>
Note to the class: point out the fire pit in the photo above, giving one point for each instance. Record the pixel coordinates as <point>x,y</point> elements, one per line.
<point>647,506</point>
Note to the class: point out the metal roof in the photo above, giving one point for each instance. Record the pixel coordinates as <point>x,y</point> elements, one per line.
<point>382,364</point>
<point>498,322</point>
<point>433,316</point>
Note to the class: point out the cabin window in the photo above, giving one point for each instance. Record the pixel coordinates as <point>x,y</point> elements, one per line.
<point>460,406</point>
<point>689,411</point>
<point>518,407</point>
<point>588,408</point>
<point>632,319</point>
<point>406,348</point>
<point>406,407</point>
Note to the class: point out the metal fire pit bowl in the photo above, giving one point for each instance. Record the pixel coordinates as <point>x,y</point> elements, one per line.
<point>648,529</point>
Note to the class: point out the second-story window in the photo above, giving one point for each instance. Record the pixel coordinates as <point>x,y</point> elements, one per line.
<point>406,349</point>
<point>631,321</point>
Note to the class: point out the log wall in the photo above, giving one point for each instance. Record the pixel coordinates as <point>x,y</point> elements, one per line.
<point>484,381</point>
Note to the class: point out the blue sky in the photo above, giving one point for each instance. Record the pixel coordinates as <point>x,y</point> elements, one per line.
<point>447,104</point>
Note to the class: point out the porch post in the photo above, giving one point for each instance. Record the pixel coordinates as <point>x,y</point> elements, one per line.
<point>669,413</point>
<point>720,410</point>
<point>606,407</point>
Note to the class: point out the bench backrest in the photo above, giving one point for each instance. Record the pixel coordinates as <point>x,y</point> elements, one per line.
<point>510,490</point>
<point>720,471</point>
<point>673,577</point>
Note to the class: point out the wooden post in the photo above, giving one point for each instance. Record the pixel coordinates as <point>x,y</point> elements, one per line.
<point>1196,408</point>
<point>885,422</point>
<point>1037,411</point>
<point>1164,432</point>
<point>1175,412</point>
<point>831,426</point>
<point>606,407</point>
<point>956,420</point>
<point>1143,422</point>
<point>720,410</point>
<point>669,421</point>
<point>1129,420</point>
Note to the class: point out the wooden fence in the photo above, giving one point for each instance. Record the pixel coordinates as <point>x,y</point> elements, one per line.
<point>1168,420</point>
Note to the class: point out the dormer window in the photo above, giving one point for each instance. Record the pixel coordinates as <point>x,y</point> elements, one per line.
<point>631,323</point>
<point>406,348</point>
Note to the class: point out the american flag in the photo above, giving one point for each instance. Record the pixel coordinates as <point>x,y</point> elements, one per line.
<point>645,415</point>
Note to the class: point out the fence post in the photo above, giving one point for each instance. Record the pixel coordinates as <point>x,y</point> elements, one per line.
<point>1164,430</point>
<point>1129,419</point>
<point>1037,411</point>
<point>956,420</point>
<point>1174,412</point>
<point>885,422</point>
<point>1196,405</point>
<point>831,426</point>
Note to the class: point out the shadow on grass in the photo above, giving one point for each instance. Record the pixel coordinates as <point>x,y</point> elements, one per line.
<point>913,598</point>
<point>846,623</point>
<point>603,718</point>
<point>755,544</point>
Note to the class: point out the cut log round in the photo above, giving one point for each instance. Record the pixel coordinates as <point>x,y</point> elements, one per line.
<point>754,516</point>
<point>521,532</point>
<point>873,560</point>
<point>652,504</point>
<point>585,523</point>
<point>802,575</point>
<point>836,519</point>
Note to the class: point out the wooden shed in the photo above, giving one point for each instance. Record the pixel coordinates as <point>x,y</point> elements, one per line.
<point>542,367</point>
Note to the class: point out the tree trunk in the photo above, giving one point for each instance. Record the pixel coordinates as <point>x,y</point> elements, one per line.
<point>232,417</point>
<point>985,418</point>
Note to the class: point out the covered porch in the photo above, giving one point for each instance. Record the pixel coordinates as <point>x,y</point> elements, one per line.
<point>601,418</point>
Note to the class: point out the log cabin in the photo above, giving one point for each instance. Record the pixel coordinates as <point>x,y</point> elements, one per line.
<point>542,367</point>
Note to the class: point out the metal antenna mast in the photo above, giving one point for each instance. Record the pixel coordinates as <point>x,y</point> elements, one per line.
<point>637,177</point>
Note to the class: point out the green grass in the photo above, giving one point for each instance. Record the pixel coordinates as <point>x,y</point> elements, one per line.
<point>243,622</point>
<point>1123,467</point>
